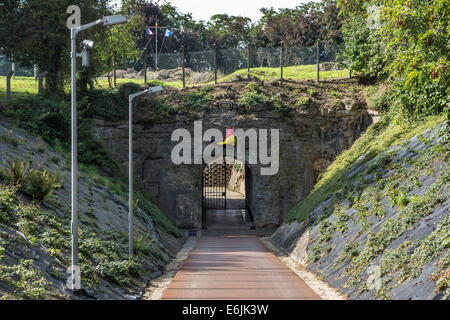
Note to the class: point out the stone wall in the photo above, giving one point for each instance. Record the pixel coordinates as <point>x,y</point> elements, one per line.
<point>309,142</point>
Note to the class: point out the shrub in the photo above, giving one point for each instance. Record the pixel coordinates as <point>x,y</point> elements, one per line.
<point>15,172</point>
<point>9,138</point>
<point>197,99</point>
<point>40,184</point>
<point>119,272</point>
<point>142,244</point>
<point>253,87</point>
<point>29,283</point>
<point>252,99</point>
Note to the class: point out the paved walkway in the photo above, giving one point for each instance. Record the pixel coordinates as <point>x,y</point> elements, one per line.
<point>237,268</point>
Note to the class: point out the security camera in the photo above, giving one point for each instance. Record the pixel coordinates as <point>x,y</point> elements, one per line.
<point>87,44</point>
<point>85,56</point>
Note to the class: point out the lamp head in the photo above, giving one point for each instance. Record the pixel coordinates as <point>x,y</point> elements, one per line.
<point>156,89</point>
<point>116,19</point>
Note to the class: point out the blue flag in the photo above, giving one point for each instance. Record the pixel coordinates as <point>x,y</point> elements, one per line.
<point>149,32</point>
<point>169,33</point>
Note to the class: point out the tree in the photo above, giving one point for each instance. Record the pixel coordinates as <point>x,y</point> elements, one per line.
<point>35,32</point>
<point>117,44</point>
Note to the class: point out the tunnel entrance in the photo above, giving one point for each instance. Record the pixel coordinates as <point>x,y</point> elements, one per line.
<point>225,186</point>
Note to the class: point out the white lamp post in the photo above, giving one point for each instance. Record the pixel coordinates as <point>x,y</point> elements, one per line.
<point>87,44</point>
<point>130,164</point>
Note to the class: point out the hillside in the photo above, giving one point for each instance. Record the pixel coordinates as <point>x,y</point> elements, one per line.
<point>376,226</point>
<point>35,235</point>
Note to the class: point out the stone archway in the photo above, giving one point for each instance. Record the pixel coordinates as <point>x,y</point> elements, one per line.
<point>224,194</point>
<point>308,143</point>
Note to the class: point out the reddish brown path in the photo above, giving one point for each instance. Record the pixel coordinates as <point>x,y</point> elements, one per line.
<point>235,267</point>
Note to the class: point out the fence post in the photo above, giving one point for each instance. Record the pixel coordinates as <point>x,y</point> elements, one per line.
<point>145,65</point>
<point>281,60</point>
<point>215,63</point>
<point>13,70</point>
<point>41,77</point>
<point>114,72</point>
<point>8,86</point>
<point>318,61</point>
<point>248,61</point>
<point>183,67</point>
<point>35,70</point>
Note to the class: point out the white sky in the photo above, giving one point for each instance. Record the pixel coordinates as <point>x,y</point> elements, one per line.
<point>204,9</point>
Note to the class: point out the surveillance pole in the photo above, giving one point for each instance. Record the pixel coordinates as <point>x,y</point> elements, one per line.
<point>74,224</point>
<point>110,20</point>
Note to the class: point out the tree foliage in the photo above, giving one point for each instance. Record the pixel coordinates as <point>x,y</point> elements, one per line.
<point>409,47</point>
<point>35,32</point>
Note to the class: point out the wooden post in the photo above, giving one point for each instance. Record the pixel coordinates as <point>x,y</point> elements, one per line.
<point>114,73</point>
<point>13,70</point>
<point>183,67</point>
<point>8,86</point>
<point>248,61</point>
<point>318,61</point>
<point>145,65</point>
<point>35,69</point>
<point>215,63</point>
<point>281,60</point>
<point>41,77</point>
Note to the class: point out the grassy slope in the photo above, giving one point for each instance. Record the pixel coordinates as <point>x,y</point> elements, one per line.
<point>103,250</point>
<point>378,138</point>
<point>306,72</point>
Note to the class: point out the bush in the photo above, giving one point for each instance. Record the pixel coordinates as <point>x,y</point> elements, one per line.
<point>40,184</point>
<point>119,272</point>
<point>252,99</point>
<point>29,283</point>
<point>15,173</point>
<point>253,87</point>
<point>197,99</point>
<point>9,138</point>
<point>142,244</point>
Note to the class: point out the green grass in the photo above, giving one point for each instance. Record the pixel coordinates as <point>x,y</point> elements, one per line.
<point>378,138</point>
<point>306,72</point>
<point>26,86</point>
<point>22,86</point>
<point>103,83</point>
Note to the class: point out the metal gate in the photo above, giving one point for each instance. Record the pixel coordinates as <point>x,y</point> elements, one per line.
<point>215,177</point>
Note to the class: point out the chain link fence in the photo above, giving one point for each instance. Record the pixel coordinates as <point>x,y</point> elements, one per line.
<point>209,66</point>
<point>296,63</point>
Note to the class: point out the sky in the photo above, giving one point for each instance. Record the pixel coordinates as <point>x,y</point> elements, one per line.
<point>204,9</point>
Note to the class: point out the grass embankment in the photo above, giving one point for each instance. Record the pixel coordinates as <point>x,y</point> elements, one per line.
<point>378,138</point>
<point>306,72</point>
<point>50,120</point>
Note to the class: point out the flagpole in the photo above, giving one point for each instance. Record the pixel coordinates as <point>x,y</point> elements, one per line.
<point>156,48</point>
<point>156,41</point>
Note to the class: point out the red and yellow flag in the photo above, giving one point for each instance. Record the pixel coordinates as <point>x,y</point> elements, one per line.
<point>230,139</point>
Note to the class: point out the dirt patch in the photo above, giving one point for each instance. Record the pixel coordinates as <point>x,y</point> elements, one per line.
<point>304,97</point>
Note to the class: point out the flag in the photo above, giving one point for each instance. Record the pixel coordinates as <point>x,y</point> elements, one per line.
<point>169,33</point>
<point>157,25</point>
<point>230,139</point>
<point>148,31</point>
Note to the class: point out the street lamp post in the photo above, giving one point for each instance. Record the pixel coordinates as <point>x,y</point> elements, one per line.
<point>130,164</point>
<point>107,21</point>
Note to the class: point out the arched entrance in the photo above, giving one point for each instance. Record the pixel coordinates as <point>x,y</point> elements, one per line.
<point>225,186</point>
